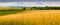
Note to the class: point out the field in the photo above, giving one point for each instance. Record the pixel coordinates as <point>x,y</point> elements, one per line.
<point>32,17</point>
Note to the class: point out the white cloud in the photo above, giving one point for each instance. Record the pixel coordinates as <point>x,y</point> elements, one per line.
<point>7,4</point>
<point>30,4</point>
<point>52,3</point>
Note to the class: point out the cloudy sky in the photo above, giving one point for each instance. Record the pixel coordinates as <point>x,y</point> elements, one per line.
<point>30,3</point>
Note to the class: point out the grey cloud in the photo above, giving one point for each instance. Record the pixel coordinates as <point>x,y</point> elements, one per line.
<point>27,0</point>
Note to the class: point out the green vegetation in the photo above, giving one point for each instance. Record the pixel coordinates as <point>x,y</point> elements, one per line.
<point>6,11</point>
<point>46,8</point>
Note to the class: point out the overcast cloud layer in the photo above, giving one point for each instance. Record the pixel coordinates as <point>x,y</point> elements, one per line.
<point>30,3</point>
<point>28,0</point>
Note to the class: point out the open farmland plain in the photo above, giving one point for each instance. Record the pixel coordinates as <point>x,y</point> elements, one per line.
<point>33,17</point>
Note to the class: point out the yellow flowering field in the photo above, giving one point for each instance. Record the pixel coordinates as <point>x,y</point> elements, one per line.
<point>34,17</point>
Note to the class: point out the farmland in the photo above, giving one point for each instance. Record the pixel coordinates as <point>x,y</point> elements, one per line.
<point>32,17</point>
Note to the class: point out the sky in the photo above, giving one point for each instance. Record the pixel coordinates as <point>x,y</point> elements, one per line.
<point>30,3</point>
<point>26,0</point>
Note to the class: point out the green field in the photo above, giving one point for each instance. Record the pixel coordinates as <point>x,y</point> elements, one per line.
<point>6,11</point>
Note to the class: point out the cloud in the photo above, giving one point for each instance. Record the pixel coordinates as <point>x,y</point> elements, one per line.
<point>31,4</point>
<point>28,0</point>
<point>52,3</point>
<point>7,4</point>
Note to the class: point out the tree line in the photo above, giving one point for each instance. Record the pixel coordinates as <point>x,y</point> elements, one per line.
<point>43,8</point>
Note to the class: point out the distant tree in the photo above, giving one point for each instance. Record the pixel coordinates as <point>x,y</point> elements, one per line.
<point>31,8</point>
<point>24,8</point>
